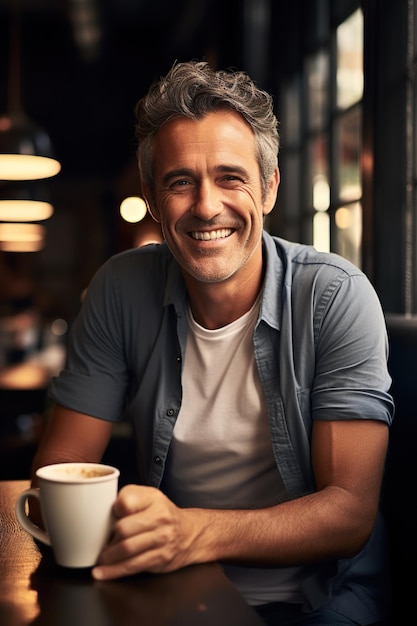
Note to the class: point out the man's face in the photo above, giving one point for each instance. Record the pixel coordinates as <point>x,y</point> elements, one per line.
<point>208,196</point>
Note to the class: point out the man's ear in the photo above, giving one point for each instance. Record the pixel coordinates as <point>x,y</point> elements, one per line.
<point>271,193</point>
<point>150,204</point>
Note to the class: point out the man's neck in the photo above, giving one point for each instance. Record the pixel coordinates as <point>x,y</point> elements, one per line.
<point>215,305</point>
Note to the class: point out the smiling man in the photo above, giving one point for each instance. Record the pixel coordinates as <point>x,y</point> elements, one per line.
<point>208,197</point>
<point>253,370</point>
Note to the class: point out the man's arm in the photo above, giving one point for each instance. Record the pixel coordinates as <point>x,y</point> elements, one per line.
<point>334,522</point>
<point>69,437</point>
<point>72,437</point>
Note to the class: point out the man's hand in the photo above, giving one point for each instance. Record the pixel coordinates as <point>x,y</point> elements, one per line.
<point>150,534</point>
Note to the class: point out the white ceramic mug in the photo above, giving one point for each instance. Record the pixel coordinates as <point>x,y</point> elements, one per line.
<point>76,501</point>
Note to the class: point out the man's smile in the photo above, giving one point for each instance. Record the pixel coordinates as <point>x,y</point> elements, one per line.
<point>210,235</point>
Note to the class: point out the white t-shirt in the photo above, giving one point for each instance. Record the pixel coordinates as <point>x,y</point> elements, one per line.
<point>221,452</point>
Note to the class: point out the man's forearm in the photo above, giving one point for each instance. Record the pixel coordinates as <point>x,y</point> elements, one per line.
<point>324,525</point>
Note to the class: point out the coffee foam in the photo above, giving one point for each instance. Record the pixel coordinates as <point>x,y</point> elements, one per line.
<point>70,472</point>
<point>87,473</point>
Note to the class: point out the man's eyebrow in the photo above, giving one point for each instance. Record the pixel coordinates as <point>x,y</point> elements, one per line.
<point>232,169</point>
<point>182,171</point>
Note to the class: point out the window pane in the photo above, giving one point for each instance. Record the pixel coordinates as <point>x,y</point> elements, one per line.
<point>319,191</point>
<point>321,231</point>
<point>349,79</point>
<point>348,232</point>
<point>317,86</point>
<point>290,185</point>
<point>318,170</point>
<point>290,120</point>
<point>289,198</point>
<point>348,148</point>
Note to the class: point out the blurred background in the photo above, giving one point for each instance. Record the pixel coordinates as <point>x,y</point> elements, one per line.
<point>343,78</point>
<point>83,64</point>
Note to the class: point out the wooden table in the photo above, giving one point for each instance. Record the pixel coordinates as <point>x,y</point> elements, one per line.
<point>34,590</point>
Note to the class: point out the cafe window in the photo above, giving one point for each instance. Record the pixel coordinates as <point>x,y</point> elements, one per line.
<point>410,273</point>
<point>347,132</point>
<point>321,122</point>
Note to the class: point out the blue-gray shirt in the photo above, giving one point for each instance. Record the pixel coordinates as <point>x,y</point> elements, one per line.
<point>321,350</point>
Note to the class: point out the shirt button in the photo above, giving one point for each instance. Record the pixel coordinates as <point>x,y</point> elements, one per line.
<point>179,359</point>
<point>170,412</point>
<point>157,460</point>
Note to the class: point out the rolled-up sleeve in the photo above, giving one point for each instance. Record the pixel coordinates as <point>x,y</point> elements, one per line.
<point>351,378</point>
<point>95,378</point>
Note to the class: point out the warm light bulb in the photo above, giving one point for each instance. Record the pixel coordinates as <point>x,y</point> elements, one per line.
<point>24,210</point>
<point>133,209</point>
<point>21,237</point>
<point>343,218</point>
<point>27,167</point>
<point>21,246</point>
<point>21,232</point>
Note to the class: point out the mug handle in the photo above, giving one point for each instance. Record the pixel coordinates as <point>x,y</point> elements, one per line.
<point>25,522</point>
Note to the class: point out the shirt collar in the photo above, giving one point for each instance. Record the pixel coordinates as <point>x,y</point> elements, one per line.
<point>270,310</point>
<point>271,304</point>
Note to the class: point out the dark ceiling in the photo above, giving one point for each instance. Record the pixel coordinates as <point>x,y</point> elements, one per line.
<point>84,64</point>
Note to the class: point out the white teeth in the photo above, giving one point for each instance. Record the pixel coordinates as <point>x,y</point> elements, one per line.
<point>212,234</point>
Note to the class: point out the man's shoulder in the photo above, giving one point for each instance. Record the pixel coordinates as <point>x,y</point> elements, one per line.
<point>132,272</point>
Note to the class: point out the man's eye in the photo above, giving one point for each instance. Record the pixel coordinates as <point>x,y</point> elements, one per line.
<point>231,178</point>
<point>180,183</point>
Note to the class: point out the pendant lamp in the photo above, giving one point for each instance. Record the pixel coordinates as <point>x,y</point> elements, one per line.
<point>25,155</point>
<point>25,148</point>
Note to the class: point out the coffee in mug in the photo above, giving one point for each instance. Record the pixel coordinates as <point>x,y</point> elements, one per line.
<point>76,501</point>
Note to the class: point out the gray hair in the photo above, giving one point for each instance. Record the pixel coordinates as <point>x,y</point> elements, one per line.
<point>193,90</point>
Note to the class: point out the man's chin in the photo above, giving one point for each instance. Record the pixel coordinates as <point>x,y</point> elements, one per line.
<point>210,276</point>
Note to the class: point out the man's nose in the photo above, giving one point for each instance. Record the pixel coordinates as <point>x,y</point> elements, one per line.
<point>207,201</point>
